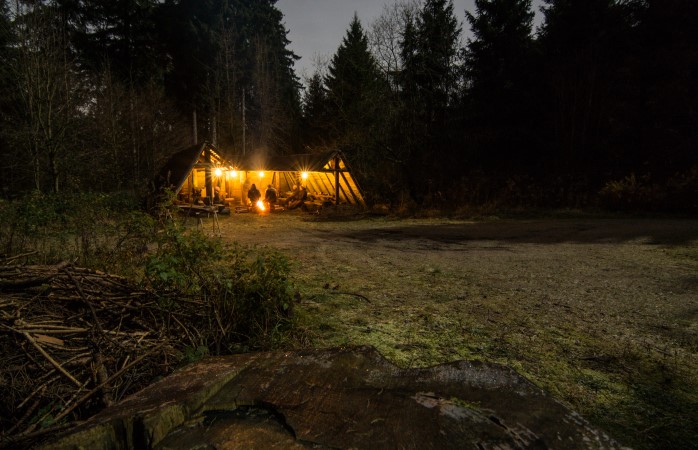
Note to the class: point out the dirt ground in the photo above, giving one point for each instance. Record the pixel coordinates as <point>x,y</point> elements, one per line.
<point>602,313</point>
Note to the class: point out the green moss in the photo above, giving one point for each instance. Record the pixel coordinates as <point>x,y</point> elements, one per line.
<point>465,404</point>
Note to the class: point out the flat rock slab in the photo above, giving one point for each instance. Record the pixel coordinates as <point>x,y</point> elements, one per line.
<point>336,398</point>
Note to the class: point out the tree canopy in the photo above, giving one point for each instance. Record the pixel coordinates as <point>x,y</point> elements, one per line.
<point>594,108</point>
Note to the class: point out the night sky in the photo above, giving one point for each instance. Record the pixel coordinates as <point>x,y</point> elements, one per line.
<point>316,27</point>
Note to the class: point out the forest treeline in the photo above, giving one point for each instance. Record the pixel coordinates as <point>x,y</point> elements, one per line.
<point>597,106</point>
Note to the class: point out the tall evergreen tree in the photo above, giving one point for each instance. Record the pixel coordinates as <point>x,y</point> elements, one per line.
<point>315,114</point>
<point>355,91</point>
<point>583,44</point>
<point>118,34</point>
<point>226,53</point>
<point>351,80</point>
<point>120,53</point>
<point>498,78</point>
<point>351,83</point>
<point>430,54</point>
<point>275,87</point>
<point>661,96</point>
<point>430,82</point>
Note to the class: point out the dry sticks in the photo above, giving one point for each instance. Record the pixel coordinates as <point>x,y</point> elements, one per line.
<point>74,340</point>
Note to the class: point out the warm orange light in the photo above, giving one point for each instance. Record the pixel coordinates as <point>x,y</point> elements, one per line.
<point>218,171</point>
<point>304,175</point>
<point>233,174</point>
<point>261,174</point>
<point>260,205</point>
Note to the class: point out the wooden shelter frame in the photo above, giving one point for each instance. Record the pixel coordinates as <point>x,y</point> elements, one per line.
<point>328,174</point>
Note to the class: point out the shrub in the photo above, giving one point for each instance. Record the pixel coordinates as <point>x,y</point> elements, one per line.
<point>677,193</point>
<point>246,293</point>
<point>92,230</point>
<point>632,193</point>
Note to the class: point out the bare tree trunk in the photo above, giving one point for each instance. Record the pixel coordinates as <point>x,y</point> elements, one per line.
<point>214,126</point>
<point>194,127</point>
<point>48,94</point>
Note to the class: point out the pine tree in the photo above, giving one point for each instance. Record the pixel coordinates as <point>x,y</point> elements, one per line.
<point>351,83</point>
<point>118,34</point>
<point>500,49</point>
<point>660,90</point>
<point>434,59</point>
<point>223,51</point>
<point>274,85</point>
<point>355,94</point>
<point>499,81</point>
<point>582,42</point>
<point>315,114</point>
<point>430,83</point>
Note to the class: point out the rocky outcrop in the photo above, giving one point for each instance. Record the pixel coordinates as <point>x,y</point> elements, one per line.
<point>337,398</point>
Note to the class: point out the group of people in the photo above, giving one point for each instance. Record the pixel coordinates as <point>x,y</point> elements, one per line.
<point>293,200</point>
<point>270,196</point>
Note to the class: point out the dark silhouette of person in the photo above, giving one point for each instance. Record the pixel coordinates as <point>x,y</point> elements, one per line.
<point>254,195</point>
<point>270,197</point>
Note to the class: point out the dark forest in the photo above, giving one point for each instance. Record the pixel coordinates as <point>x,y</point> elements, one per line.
<point>598,107</point>
<point>531,198</point>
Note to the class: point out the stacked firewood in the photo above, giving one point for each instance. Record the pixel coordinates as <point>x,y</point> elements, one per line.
<point>75,340</point>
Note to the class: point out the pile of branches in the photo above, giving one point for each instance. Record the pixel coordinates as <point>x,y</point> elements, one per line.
<point>75,340</point>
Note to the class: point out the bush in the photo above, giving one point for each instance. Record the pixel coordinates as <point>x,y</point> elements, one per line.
<point>632,193</point>
<point>93,230</point>
<point>678,193</point>
<point>246,292</point>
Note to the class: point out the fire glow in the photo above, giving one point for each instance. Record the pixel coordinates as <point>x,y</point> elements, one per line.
<point>260,205</point>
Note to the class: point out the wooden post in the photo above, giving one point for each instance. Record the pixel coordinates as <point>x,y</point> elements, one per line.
<point>214,130</point>
<point>194,129</point>
<point>244,125</point>
<point>209,178</point>
<point>336,180</point>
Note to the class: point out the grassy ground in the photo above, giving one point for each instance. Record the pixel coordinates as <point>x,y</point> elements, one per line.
<point>602,313</point>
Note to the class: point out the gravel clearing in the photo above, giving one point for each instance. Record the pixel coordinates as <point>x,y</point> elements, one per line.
<point>603,313</point>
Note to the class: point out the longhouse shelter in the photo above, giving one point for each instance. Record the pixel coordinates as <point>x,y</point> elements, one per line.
<point>194,174</point>
<point>326,176</point>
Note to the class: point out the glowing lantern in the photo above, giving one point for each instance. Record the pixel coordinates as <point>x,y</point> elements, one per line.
<point>218,171</point>
<point>261,174</point>
<point>304,175</point>
<point>232,174</point>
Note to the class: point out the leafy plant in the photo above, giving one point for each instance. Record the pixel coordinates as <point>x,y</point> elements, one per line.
<point>247,296</point>
<point>95,230</point>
